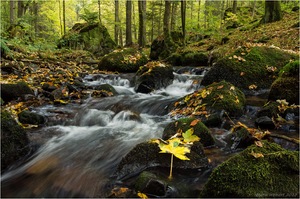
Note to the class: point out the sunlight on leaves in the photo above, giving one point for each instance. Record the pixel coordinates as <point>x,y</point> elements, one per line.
<point>189,137</point>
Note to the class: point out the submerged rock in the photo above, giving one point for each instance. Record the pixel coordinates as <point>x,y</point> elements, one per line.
<point>27,117</point>
<point>14,141</point>
<point>184,124</point>
<point>125,60</point>
<point>257,68</point>
<point>153,76</point>
<point>267,171</point>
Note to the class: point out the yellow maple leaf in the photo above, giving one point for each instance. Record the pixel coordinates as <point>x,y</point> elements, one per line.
<point>174,147</point>
<point>142,195</point>
<point>189,137</point>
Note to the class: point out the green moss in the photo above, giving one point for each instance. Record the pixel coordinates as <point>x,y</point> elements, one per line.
<point>244,68</point>
<point>125,60</point>
<point>285,88</point>
<point>270,109</point>
<point>184,124</point>
<point>274,175</point>
<point>290,70</point>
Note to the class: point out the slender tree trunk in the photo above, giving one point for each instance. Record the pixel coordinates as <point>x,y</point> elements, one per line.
<point>117,21</point>
<point>173,16</point>
<point>166,27</point>
<point>133,22</point>
<point>206,15</point>
<point>152,22</point>
<point>35,12</point>
<point>272,12</point>
<point>199,9</point>
<point>192,9</point>
<point>253,9</point>
<point>234,7</point>
<point>128,23</point>
<point>99,11</point>
<point>20,9</point>
<point>60,21</point>
<point>11,9</point>
<point>222,14</point>
<point>183,17</point>
<point>159,19</point>
<point>142,23</point>
<point>121,37</point>
<point>64,16</point>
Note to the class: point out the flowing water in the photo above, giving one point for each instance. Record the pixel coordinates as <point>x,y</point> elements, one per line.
<point>83,144</point>
<point>80,152</point>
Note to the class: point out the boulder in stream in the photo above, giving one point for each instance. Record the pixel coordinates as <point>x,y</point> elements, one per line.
<point>254,69</point>
<point>267,171</point>
<point>184,124</point>
<point>14,91</point>
<point>153,76</point>
<point>188,58</point>
<point>14,141</point>
<point>123,60</point>
<point>27,117</point>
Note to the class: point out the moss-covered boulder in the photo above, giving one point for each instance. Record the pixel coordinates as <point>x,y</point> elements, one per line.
<point>245,69</point>
<point>215,97</point>
<point>125,60</point>
<point>153,76</point>
<point>146,155</point>
<point>93,37</point>
<point>184,124</point>
<point>14,141</point>
<point>27,117</point>
<point>268,171</point>
<point>107,88</point>
<point>240,138</point>
<point>162,48</point>
<point>286,86</point>
<point>188,59</point>
<point>14,91</point>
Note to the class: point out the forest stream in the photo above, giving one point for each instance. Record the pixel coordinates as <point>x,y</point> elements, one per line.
<point>78,154</point>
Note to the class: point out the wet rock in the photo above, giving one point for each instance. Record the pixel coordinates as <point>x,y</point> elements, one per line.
<point>268,171</point>
<point>243,68</point>
<point>11,92</point>
<point>146,155</point>
<point>107,88</point>
<point>124,60</point>
<point>161,48</point>
<point>188,59</point>
<point>14,141</point>
<point>183,125</point>
<point>240,138</point>
<point>27,117</point>
<point>153,76</point>
<point>213,98</point>
<point>48,87</point>
<point>92,37</point>
<point>286,86</point>
<point>264,123</point>
<point>270,109</point>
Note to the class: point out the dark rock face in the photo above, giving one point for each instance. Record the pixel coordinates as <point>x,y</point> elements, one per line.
<point>244,69</point>
<point>125,60</point>
<point>93,37</point>
<point>14,91</point>
<point>161,49</point>
<point>189,59</point>
<point>184,124</point>
<point>14,141</point>
<point>27,117</point>
<point>146,155</point>
<point>268,171</point>
<point>240,138</point>
<point>153,76</point>
<point>265,123</point>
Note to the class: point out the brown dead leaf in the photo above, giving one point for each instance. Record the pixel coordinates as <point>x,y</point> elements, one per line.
<point>242,73</point>
<point>257,155</point>
<point>258,143</point>
<point>219,87</point>
<point>194,122</point>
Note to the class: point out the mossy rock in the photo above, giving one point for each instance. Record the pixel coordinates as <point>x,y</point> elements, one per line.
<point>153,76</point>
<point>14,141</point>
<point>107,88</point>
<point>276,174</point>
<point>270,109</point>
<point>162,48</point>
<point>240,138</point>
<point>243,68</point>
<point>92,37</point>
<point>146,155</point>
<point>286,86</point>
<point>125,60</point>
<point>184,124</point>
<point>188,59</point>
<point>14,91</point>
<point>215,97</point>
<point>27,117</point>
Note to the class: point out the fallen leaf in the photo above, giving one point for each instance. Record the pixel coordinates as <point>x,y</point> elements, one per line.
<point>242,73</point>
<point>232,88</point>
<point>194,122</point>
<point>142,195</point>
<point>221,86</point>
<point>258,143</point>
<point>257,155</point>
<point>189,137</point>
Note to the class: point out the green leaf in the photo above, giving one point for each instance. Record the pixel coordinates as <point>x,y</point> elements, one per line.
<point>189,137</point>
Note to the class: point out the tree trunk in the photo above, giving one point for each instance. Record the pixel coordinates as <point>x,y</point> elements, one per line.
<point>35,12</point>
<point>253,9</point>
<point>199,9</point>
<point>11,9</point>
<point>20,9</point>
<point>99,11</point>
<point>272,12</point>
<point>117,21</point>
<point>142,23</point>
<point>133,23</point>
<point>183,17</point>
<point>159,19</point>
<point>173,16</point>
<point>121,36</point>
<point>64,16</point>
<point>128,23</point>
<point>60,21</point>
<point>152,23</point>
<point>234,7</point>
